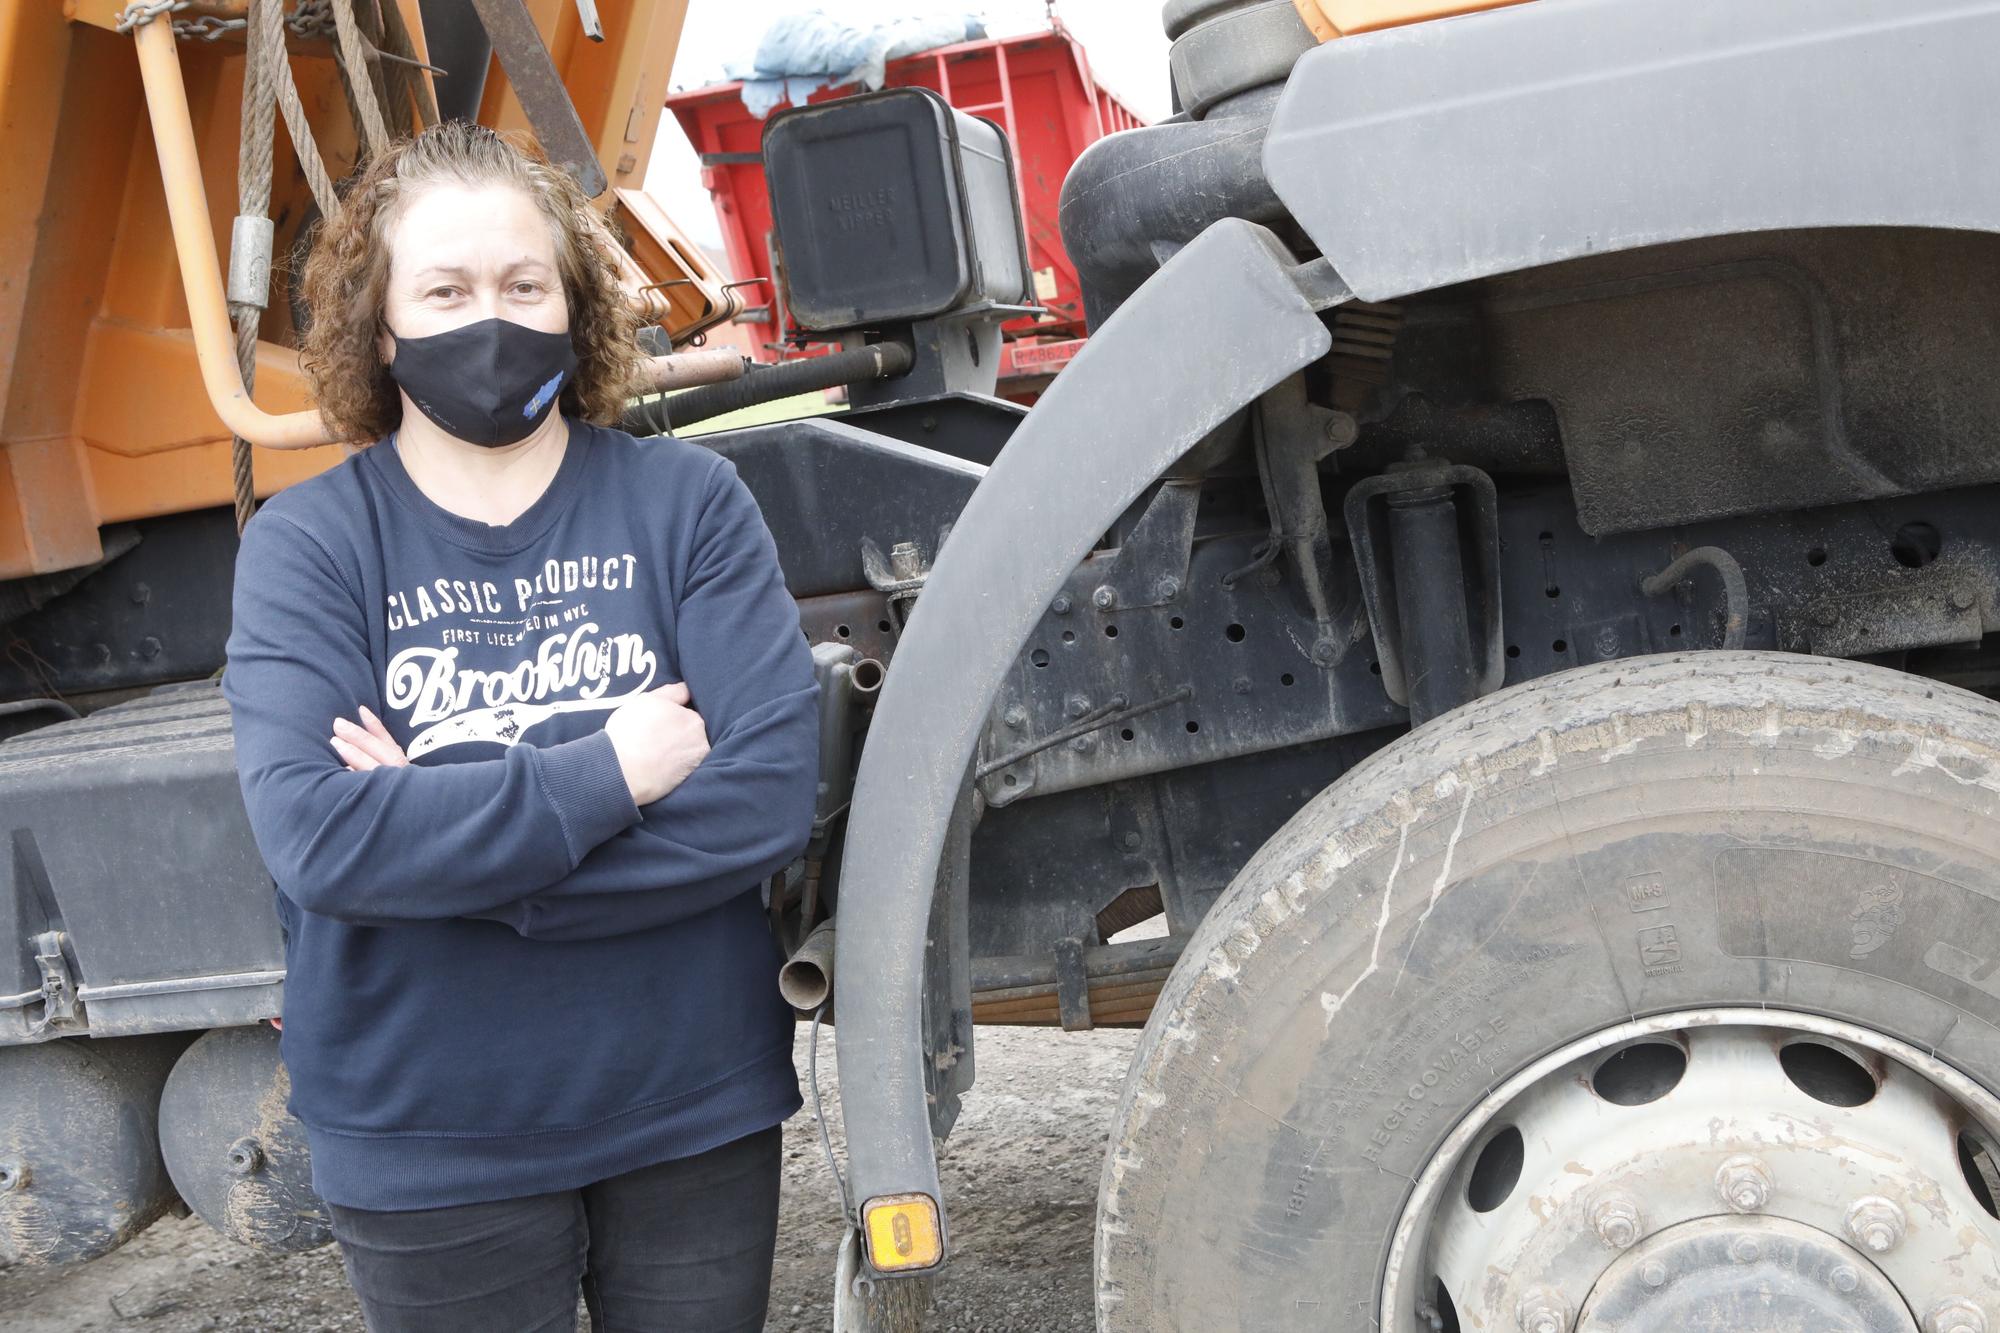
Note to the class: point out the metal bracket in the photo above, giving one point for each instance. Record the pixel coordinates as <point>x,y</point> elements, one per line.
<point>899,577</point>
<point>1292,435</point>
<point>58,987</point>
<point>1913,613</point>
<point>1369,533</point>
<point>1151,567</point>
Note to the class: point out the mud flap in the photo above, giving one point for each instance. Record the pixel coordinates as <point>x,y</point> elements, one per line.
<point>1231,315</point>
<point>862,1304</point>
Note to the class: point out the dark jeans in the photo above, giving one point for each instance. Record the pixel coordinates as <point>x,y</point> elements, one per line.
<point>684,1245</point>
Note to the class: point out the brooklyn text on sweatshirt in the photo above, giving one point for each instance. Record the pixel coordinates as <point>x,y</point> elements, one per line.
<point>502,976</point>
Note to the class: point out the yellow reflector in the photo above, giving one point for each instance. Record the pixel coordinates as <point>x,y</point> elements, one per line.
<point>902,1232</point>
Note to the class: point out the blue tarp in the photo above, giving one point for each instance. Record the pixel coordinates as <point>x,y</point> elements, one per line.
<point>803,52</point>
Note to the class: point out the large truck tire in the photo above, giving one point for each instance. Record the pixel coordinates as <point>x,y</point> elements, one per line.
<point>1663,993</point>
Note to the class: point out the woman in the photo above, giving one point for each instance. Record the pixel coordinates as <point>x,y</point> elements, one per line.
<point>523,719</point>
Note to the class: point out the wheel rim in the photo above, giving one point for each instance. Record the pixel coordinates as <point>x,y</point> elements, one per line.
<point>1725,1168</point>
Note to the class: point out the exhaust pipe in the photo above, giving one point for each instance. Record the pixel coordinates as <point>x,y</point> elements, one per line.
<point>806,979</point>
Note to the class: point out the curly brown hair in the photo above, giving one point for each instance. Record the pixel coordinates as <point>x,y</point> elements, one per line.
<point>347,274</point>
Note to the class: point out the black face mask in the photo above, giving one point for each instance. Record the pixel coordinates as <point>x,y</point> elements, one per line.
<point>489,383</point>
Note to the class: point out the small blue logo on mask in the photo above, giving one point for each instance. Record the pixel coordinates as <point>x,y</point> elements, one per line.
<point>543,394</point>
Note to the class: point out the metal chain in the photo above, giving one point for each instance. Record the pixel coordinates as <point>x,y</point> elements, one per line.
<point>312,19</point>
<point>138,14</point>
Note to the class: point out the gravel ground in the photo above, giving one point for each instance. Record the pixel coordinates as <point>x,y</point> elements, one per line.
<point>1020,1176</point>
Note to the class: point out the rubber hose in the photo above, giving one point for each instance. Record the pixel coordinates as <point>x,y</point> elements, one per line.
<point>56,706</point>
<point>877,361</point>
<point>1132,195</point>
<point>1735,592</point>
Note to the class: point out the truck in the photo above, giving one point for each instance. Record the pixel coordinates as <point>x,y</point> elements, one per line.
<point>1483,655</point>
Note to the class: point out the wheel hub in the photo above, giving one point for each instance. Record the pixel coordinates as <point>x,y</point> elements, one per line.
<point>1743,1273</point>
<point>1747,1170</point>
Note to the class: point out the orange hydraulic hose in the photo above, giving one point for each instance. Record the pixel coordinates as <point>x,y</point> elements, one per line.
<point>201,272</point>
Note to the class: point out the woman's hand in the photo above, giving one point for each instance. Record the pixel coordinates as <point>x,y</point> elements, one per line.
<point>659,739</point>
<point>367,746</point>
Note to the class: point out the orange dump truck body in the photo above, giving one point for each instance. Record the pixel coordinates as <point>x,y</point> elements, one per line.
<point>103,414</point>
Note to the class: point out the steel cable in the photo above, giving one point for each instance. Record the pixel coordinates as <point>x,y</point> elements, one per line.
<point>265,51</point>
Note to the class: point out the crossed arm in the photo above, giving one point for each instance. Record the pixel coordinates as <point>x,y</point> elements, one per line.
<point>547,840</point>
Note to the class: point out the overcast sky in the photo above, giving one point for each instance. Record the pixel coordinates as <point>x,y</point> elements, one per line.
<point>1128,54</point>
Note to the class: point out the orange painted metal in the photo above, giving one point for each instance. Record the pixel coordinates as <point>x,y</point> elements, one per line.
<point>103,412</point>
<point>619,86</point>
<point>201,271</point>
<point>1329,19</point>
<point>685,290</point>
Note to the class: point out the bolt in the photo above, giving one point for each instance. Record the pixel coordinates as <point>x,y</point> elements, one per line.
<point>1745,1250</point>
<point>1105,597</point>
<point>149,647</point>
<point>1844,1278</point>
<point>1077,705</point>
<point>141,593</point>
<point>13,1176</point>
<point>246,1157</point>
<point>1015,717</point>
<point>103,652</point>
<point>904,561</point>
<point>1875,1223</point>
<point>1654,1274</point>
<point>1342,429</point>
<point>1083,744</point>
<point>1241,684</point>
<point>1061,604</point>
<point>1132,840</point>
<point>1167,588</point>
<point>1607,642</point>
<point>1544,1310</point>
<point>1744,1183</point>
<point>1616,1218</point>
<point>1955,1315</point>
<point>1962,599</point>
<point>1826,617</point>
<point>1325,652</point>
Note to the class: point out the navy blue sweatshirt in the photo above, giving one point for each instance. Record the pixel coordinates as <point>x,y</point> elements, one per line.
<point>503,977</point>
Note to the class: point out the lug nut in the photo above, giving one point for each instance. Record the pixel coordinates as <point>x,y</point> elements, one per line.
<point>1544,1310</point>
<point>1876,1223</point>
<point>1616,1218</point>
<point>1956,1315</point>
<point>1744,1183</point>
